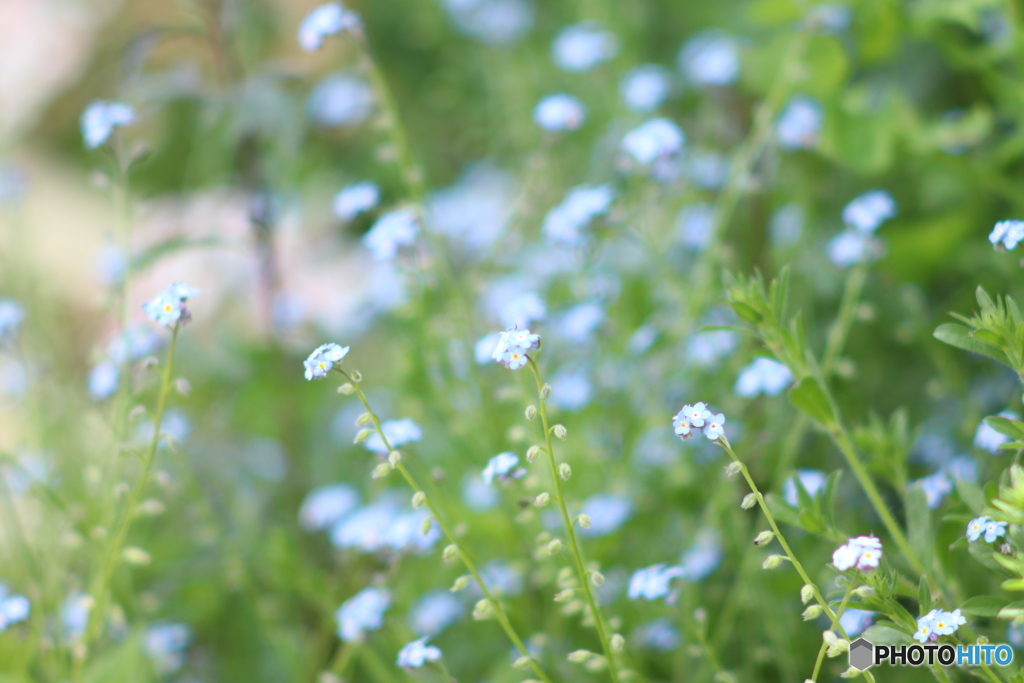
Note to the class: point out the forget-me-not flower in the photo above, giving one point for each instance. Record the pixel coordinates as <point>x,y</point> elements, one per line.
<point>868,211</point>
<point>559,113</point>
<point>988,439</point>
<point>799,124</point>
<point>503,467</point>
<point>710,58</point>
<point>361,613</point>
<point>326,20</point>
<point>13,608</point>
<point>583,46</point>
<point>398,433</point>
<point>652,583</point>
<point>764,376</point>
<point>434,612</point>
<point>1007,233</point>
<point>512,347</point>
<point>645,88</point>
<point>323,359</point>
<point>325,506</point>
<point>100,119</point>
<point>391,232</point>
<point>607,512</point>
<point>417,653</point>
<point>355,199</point>
<point>165,643</point>
<point>564,223</point>
<point>11,315</point>
<point>168,307</point>
<point>864,552</point>
<point>341,99</point>
<point>653,140</point>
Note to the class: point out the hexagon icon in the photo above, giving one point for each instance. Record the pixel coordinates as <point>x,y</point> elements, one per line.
<point>862,654</point>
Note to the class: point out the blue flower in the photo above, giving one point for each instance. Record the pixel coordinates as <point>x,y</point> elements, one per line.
<point>165,643</point>
<point>703,556</point>
<point>828,17</point>
<point>391,232</point>
<point>168,307</point>
<point>988,439</point>
<point>340,99</point>
<point>855,621</point>
<point>869,210</point>
<point>763,376</point>
<point>434,612</point>
<point>935,487</point>
<point>707,170</point>
<point>786,225</point>
<point>811,480</point>
<point>398,432</point>
<point>1009,233</point>
<point>706,349</point>
<point>715,427</point>
<point>495,22</point>
<point>326,20</point>
<point>695,225</point>
<point>417,653</point>
<point>559,113</point>
<point>582,204</point>
<point>502,466</point>
<point>11,315</point>
<point>474,212</point>
<point>851,247</point>
<point>583,46</point>
<point>571,389</point>
<point>103,379</point>
<point>100,119</point>
<point>13,183</point>
<point>799,124</point>
<point>356,198</point>
<point>500,578</point>
<point>361,613</point>
<point>660,634</point>
<point>656,139</point>
<point>607,513</point>
<point>652,583</point>
<point>323,359</point>
<point>994,530</point>
<point>513,345</point>
<point>326,506</point>
<point>478,495</point>
<point>75,614</point>
<point>710,58</point>
<point>13,608</point>
<point>645,88</point>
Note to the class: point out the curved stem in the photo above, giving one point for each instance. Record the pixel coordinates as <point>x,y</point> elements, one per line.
<point>101,589</point>
<point>470,566</point>
<point>581,571</point>
<point>724,443</point>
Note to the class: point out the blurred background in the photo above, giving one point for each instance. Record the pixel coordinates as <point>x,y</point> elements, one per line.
<point>228,178</point>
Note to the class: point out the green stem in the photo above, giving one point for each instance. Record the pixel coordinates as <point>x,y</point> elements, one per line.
<point>470,566</point>
<point>101,588</point>
<point>724,443</point>
<point>343,659</point>
<point>570,530</point>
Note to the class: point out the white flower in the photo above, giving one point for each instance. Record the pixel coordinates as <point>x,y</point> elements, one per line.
<point>322,360</point>
<point>869,210</point>
<point>362,612</point>
<point>356,198</point>
<point>501,466</point>
<point>100,119</point>
<point>710,58</point>
<point>325,20</point>
<point>645,88</point>
<point>994,530</point>
<point>863,551</point>
<point>715,427</point>
<point>559,113</point>
<point>583,46</point>
<point>417,653</point>
<point>398,433</point>
<point>845,557</point>
<point>976,527</point>
<point>652,583</point>
<point>655,139</point>
<point>763,376</point>
<point>392,231</point>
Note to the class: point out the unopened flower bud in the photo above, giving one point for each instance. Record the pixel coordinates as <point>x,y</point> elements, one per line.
<point>521,663</point>
<point>483,610</point>
<point>749,501</point>
<point>564,471</point>
<point>579,656</point>
<point>151,507</point>
<point>394,457</point>
<point>554,547</point>
<point>836,645</point>
<point>532,452</point>
<point>595,664</point>
<point>545,391</point>
<point>460,583</point>
<point>565,595</point>
<point>806,593</point>
<point>136,556</point>
<point>560,431</point>
<point>531,412</point>
<point>733,469</point>
<point>364,420</point>
<point>851,672</point>
<point>363,435</point>
<point>451,552</point>
<point>356,376</point>
<point>418,500</point>
<point>617,642</point>
<point>597,578</point>
<point>763,537</point>
<point>566,577</point>
<point>347,389</point>
<point>381,470</point>
<point>864,591</point>
<point>584,521</point>
<point>772,561</point>
<point>425,526</point>
<point>542,500</point>
<point>812,612</point>
<point>183,386</point>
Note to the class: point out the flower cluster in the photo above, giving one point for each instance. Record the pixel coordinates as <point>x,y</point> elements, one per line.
<point>326,20</point>
<point>513,345</point>
<point>322,360</point>
<point>417,653</point>
<point>938,623</point>
<point>168,307</point>
<point>1007,233</point>
<point>503,467</point>
<point>362,612</point>
<point>862,216</point>
<point>864,552</point>
<point>698,416</point>
<point>984,525</point>
<point>652,583</point>
<point>100,119</point>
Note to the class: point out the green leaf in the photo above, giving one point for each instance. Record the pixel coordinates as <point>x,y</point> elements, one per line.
<point>924,595</point>
<point>983,605</point>
<point>747,312</point>
<point>809,397</point>
<point>1012,446</point>
<point>1014,609</point>
<point>882,634</point>
<point>971,494</point>
<point>919,526</point>
<point>1011,428</point>
<point>1013,585</point>
<point>961,337</point>
<point>828,498</point>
